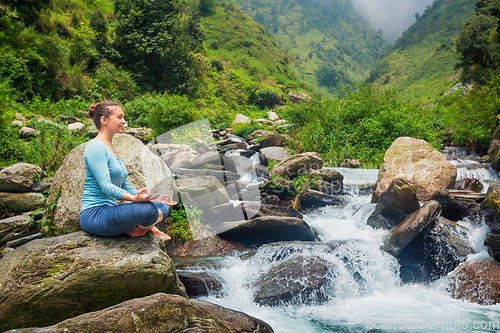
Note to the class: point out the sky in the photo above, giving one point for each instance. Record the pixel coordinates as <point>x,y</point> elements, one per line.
<point>392,16</point>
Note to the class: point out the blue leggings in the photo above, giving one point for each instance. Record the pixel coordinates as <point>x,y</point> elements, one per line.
<point>116,220</point>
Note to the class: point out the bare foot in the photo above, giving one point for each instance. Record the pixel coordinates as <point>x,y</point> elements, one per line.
<point>164,237</point>
<point>136,232</point>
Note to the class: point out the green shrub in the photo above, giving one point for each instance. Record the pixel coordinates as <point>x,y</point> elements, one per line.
<point>171,112</point>
<point>265,99</point>
<point>243,130</point>
<point>361,126</point>
<point>184,224</point>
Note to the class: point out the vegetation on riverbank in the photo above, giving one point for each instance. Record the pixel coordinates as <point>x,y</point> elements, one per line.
<point>58,58</point>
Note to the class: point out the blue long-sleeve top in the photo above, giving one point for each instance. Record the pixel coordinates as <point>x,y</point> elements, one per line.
<point>106,177</point>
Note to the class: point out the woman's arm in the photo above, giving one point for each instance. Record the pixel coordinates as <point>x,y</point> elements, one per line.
<point>96,159</point>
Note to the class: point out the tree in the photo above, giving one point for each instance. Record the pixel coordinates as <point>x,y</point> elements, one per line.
<point>157,40</point>
<point>478,44</point>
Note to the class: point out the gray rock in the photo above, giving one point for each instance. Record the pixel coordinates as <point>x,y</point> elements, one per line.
<point>212,246</point>
<point>299,280</point>
<point>267,229</point>
<point>15,227</point>
<point>329,175</point>
<point>15,184</point>
<point>298,165</point>
<point>92,133</point>
<point>200,143</point>
<point>236,321</point>
<point>68,119</point>
<point>19,116</point>
<point>22,202</point>
<point>494,150</point>
<point>181,159</point>
<point>411,227</point>
<point>241,119</point>
<point>469,184</point>
<point>212,157</point>
<point>26,170</point>
<point>28,132</point>
<point>18,123</point>
<point>316,199</point>
<point>395,204</point>
<point>221,176</point>
<point>202,192</point>
<point>272,115</point>
<point>458,204</point>
<point>492,242</point>
<point>298,97</point>
<point>41,187</point>
<point>23,240</point>
<point>78,126</point>
<point>272,154</point>
<point>73,274</point>
<point>199,283</point>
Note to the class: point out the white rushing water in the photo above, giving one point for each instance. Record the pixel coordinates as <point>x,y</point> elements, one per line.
<point>364,292</point>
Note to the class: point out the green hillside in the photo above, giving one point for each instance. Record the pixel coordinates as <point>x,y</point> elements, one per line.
<point>244,56</point>
<point>421,61</point>
<point>332,45</point>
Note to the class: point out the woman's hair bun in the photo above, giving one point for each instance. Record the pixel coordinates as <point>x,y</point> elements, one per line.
<point>92,110</point>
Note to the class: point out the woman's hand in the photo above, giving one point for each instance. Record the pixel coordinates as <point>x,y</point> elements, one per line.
<point>142,196</point>
<point>163,198</point>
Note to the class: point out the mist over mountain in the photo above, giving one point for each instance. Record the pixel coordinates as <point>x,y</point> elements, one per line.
<point>392,16</point>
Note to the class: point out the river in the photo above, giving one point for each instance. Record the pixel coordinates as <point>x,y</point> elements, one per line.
<point>364,292</point>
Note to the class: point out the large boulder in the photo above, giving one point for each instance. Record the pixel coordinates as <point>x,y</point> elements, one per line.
<point>476,282</point>
<point>22,202</point>
<point>418,162</point>
<point>159,313</point>
<point>266,229</point>
<point>202,192</point>
<point>395,204</point>
<point>295,281</point>
<point>77,273</point>
<point>494,150</point>
<point>145,170</point>
<point>298,165</point>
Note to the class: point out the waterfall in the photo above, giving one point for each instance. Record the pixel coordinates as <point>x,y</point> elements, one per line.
<point>359,289</point>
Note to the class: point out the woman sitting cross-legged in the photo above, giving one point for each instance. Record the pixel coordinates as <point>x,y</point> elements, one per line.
<point>106,182</point>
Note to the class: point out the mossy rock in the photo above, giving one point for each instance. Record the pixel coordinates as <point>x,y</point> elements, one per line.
<point>49,280</point>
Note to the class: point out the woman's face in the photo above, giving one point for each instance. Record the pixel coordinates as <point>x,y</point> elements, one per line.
<point>116,121</point>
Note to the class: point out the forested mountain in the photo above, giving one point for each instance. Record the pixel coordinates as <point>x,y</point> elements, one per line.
<point>421,61</point>
<point>332,44</point>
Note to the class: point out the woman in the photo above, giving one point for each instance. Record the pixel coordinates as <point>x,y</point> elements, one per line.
<point>106,182</point>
